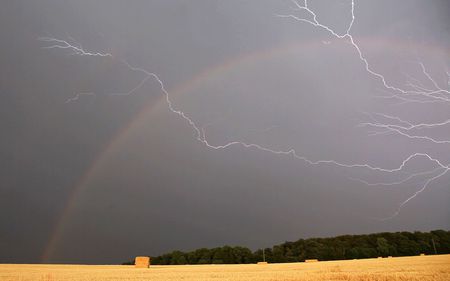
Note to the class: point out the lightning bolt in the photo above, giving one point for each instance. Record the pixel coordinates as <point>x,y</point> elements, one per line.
<point>77,49</point>
<point>78,96</point>
<point>403,129</point>
<point>347,35</point>
<point>418,94</point>
<point>408,178</point>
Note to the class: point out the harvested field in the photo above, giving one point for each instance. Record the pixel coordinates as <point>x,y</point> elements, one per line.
<point>420,268</point>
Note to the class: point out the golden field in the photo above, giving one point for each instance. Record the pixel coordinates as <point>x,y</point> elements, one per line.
<point>423,268</point>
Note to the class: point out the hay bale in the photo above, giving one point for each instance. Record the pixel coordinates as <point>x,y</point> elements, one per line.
<point>262,262</point>
<point>312,260</point>
<point>390,257</point>
<point>422,254</point>
<point>142,262</point>
<point>380,257</point>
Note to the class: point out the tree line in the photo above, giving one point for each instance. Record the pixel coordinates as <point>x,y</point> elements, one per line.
<point>334,248</point>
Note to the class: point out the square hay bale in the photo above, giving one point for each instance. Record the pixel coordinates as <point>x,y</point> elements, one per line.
<point>379,257</point>
<point>142,262</point>
<point>262,262</point>
<point>312,260</point>
<point>422,254</point>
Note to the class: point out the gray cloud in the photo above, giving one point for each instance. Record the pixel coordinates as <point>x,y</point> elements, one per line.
<point>266,80</point>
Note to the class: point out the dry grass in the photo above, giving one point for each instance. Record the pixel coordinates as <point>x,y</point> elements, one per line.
<point>420,268</point>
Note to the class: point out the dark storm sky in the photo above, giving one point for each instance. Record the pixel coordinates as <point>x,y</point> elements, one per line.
<point>151,187</point>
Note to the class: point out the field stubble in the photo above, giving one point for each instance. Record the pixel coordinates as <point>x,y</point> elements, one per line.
<point>423,268</point>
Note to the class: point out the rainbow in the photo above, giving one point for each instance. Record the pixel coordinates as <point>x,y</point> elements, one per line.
<point>186,87</point>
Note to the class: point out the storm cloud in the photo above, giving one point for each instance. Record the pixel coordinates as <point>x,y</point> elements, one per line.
<point>104,177</point>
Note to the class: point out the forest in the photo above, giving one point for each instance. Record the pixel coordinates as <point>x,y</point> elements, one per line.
<point>333,248</point>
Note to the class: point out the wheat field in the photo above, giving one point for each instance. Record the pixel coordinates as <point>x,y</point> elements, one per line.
<point>423,268</point>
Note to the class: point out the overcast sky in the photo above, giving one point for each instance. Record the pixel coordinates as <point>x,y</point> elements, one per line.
<point>103,177</point>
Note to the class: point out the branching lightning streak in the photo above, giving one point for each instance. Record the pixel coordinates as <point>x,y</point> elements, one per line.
<point>199,132</point>
<point>77,96</point>
<point>400,181</point>
<point>402,127</point>
<point>63,44</point>
<point>430,180</point>
<point>349,36</point>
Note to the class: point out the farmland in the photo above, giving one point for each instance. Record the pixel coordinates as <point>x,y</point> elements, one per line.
<point>423,268</point>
